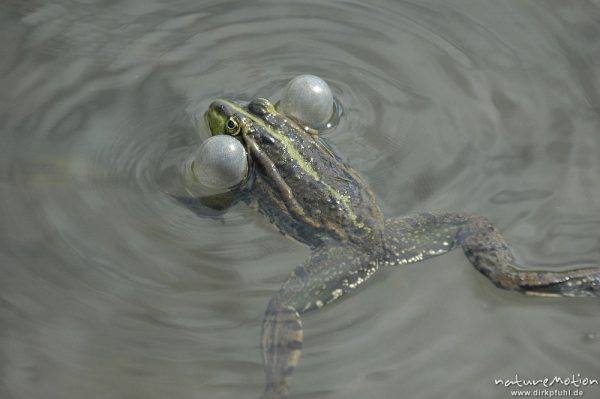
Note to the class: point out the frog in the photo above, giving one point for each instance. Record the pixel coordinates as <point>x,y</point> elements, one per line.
<point>311,194</point>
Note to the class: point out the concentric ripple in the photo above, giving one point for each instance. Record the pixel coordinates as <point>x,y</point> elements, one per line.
<point>113,288</point>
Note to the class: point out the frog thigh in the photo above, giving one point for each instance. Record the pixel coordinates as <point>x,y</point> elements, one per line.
<point>415,238</point>
<point>329,273</point>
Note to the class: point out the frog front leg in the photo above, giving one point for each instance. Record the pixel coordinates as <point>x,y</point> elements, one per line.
<point>329,273</point>
<point>415,238</point>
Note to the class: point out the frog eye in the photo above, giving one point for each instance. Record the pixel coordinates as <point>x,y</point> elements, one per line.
<point>261,107</point>
<point>232,126</point>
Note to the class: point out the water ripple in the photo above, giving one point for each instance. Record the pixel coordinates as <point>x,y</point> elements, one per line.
<point>114,287</point>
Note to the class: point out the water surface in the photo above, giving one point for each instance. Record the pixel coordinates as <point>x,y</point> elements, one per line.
<point>111,289</point>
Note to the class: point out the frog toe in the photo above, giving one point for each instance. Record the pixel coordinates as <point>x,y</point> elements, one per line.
<point>578,283</point>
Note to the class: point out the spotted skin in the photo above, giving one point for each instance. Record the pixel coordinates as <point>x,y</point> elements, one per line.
<point>309,193</point>
<point>416,238</point>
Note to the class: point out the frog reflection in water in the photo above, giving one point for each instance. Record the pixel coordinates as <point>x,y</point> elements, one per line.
<point>309,193</point>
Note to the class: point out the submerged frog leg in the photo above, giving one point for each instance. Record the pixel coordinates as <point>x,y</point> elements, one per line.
<point>208,206</point>
<point>329,273</point>
<point>415,238</point>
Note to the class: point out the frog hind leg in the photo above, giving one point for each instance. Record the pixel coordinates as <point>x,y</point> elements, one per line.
<point>415,238</point>
<point>281,343</point>
<point>328,274</point>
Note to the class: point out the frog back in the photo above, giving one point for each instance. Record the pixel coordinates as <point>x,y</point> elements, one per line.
<point>309,193</point>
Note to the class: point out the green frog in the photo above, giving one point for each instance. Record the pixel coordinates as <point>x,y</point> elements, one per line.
<point>309,193</point>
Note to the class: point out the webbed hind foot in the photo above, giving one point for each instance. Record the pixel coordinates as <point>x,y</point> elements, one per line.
<point>570,283</point>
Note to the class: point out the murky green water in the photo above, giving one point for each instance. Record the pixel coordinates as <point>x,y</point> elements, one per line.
<point>110,289</point>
